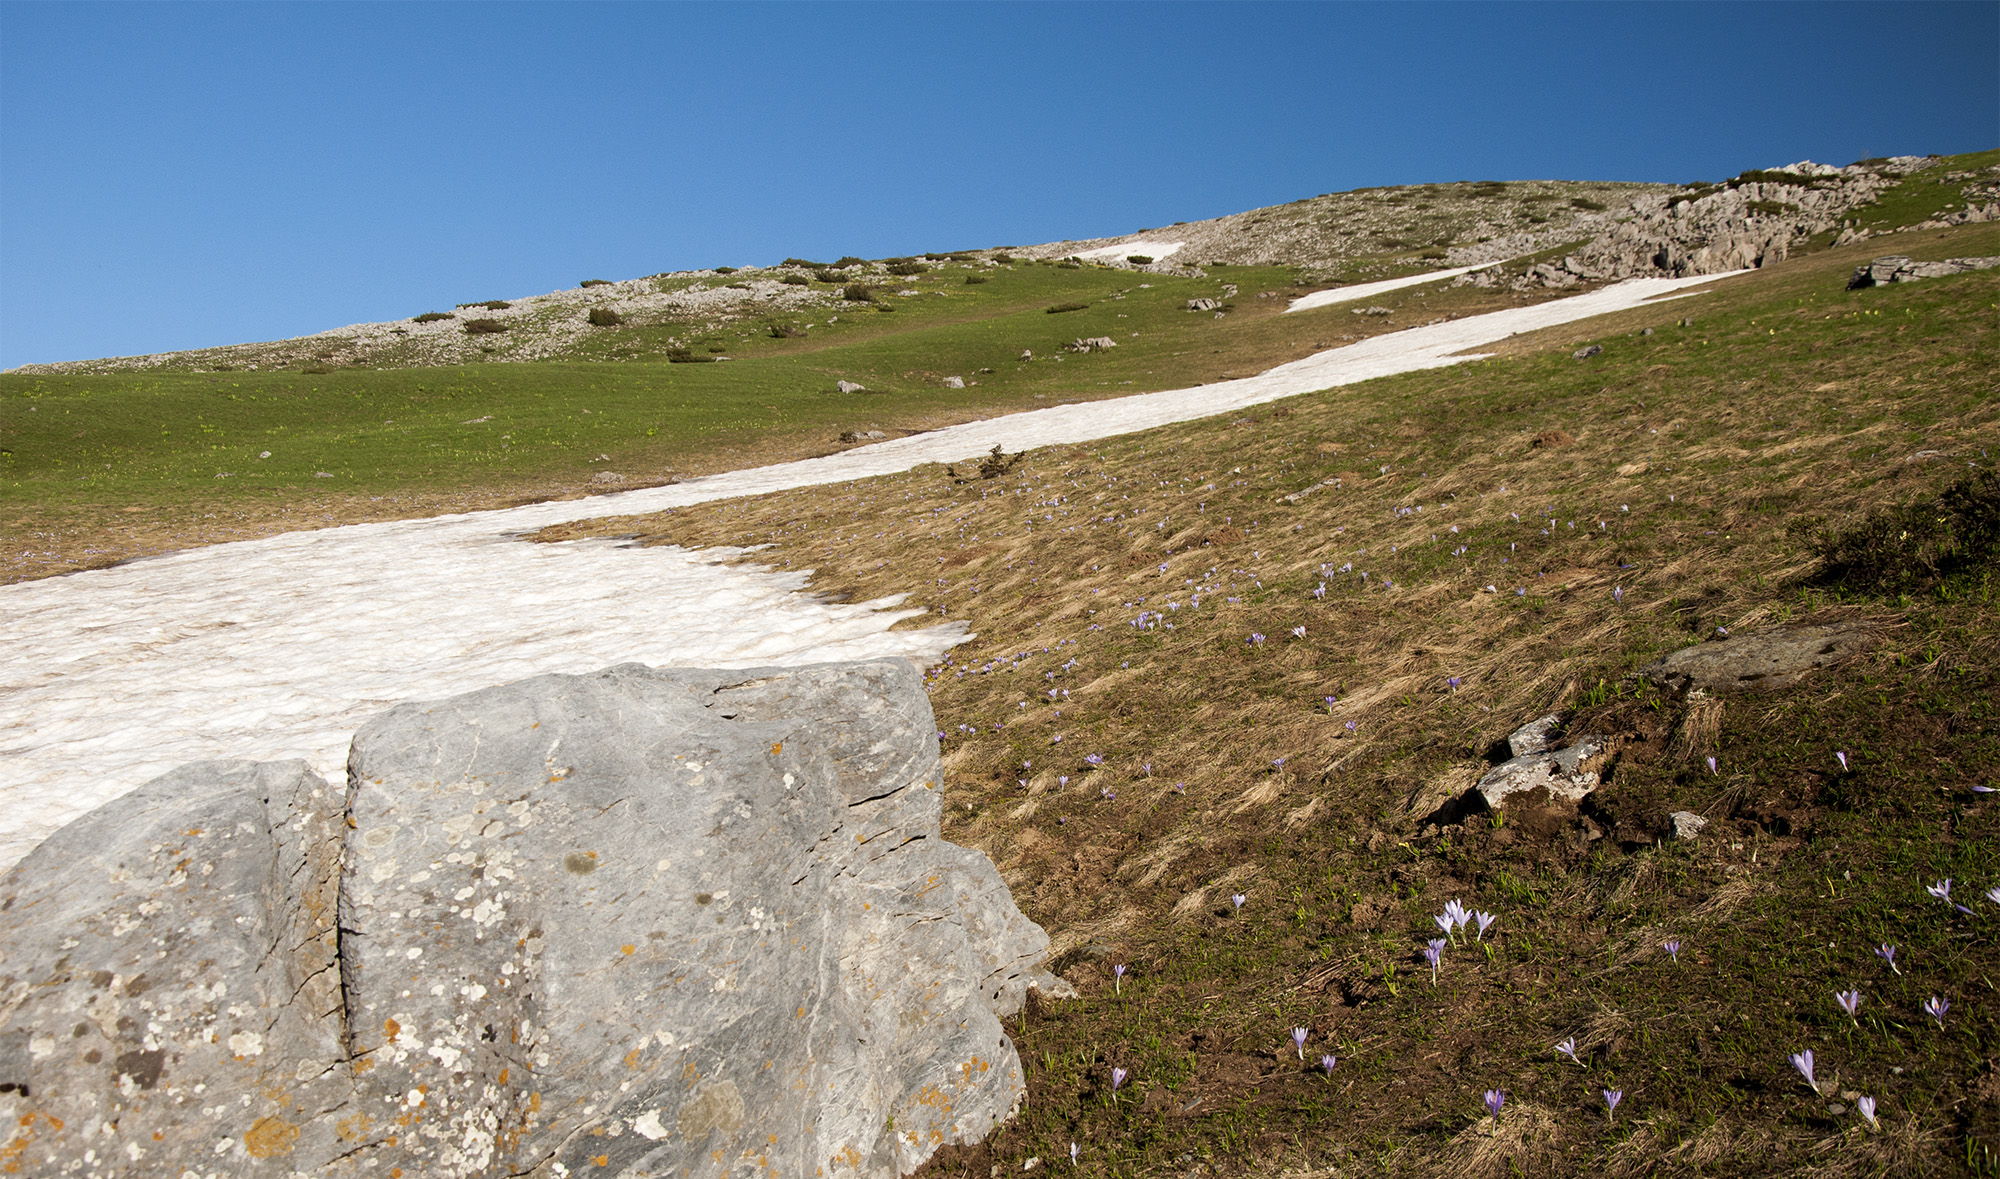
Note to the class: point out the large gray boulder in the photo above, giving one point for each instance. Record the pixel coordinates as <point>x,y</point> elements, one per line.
<point>633,923</point>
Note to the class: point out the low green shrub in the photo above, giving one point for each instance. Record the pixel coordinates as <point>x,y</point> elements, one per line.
<point>796,280</point>
<point>858,293</point>
<point>1004,259</point>
<point>1771,208</point>
<point>483,327</point>
<point>973,280</point>
<point>785,331</point>
<point>805,264</point>
<point>849,260</point>
<point>1762,176</point>
<point>432,317</point>
<point>1139,259</point>
<point>827,276</point>
<point>604,317</point>
<point>1433,254</point>
<point>1062,307</point>
<point>1069,264</point>
<point>686,356</point>
<point>594,282</point>
<point>1587,204</point>
<point>489,304</point>
<point>725,270</point>
<point>907,268</point>
<point>1934,543</point>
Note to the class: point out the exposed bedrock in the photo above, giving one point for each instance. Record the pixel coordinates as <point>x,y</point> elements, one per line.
<point>637,922</point>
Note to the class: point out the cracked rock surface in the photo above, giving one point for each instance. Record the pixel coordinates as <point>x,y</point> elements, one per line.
<point>637,922</point>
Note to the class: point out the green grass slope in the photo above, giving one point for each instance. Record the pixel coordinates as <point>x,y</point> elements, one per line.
<point>1130,779</point>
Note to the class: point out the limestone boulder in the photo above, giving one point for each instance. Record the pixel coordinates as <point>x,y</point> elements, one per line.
<point>637,923</point>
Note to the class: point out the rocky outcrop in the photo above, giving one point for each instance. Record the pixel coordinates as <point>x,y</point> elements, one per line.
<point>1091,344</point>
<point>1898,268</point>
<point>637,922</point>
<point>1762,661</point>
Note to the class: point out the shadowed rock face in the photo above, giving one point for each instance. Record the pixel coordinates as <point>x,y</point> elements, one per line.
<point>655,922</point>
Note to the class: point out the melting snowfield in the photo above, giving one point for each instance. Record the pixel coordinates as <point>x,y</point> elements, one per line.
<point>281,647</point>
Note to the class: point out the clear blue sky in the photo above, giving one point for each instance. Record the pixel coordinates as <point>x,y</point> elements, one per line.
<point>183,175</point>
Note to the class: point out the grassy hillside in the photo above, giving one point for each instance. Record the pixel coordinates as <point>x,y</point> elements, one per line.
<point>107,466</point>
<point>1132,760</point>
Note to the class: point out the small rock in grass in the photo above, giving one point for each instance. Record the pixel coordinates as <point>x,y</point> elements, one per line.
<point>1587,353</point>
<point>607,477</point>
<point>1686,824</point>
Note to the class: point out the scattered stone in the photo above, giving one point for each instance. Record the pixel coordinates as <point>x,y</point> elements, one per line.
<point>655,921</point>
<point>954,382</point>
<point>862,436</point>
<point>1898,268</point>
<point>1545,778</point>
<point>851,387</point>
<point>607,477</point>
<point>1762,660</point>
<point>1587,353</point>
<point>1370,311</point>
<point>1686,825</point>
<point>1026,354</point>
<point>1091,344</point>
<point>1203,304</point>
<point>322,474</point>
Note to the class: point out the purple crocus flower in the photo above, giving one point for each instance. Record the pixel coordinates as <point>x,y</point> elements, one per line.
<point>1453,682</point>
<point>1673,948</point>
<point>1298,632</point>
<point>1327,1062</point>
<point>1568,1048</point>
<point>1618,593</point>
<point>1941,890</point>
<point>1350,726</point>
<point>1118,979</point>
<point>1096,759</point>
<point>1803,1061</point>
<point>1329,705</point>
<point>1936,1007</point>
<point>1118,1076</point>
<point>1887,953</point>
<point>1993,894</point>
<point>1850,1002</point>
<point>1062,779</point>
<point>1072,1154</point>
<point>1237,899</point>
<point>1299,1041</point>
<point>1841,757</point>
<point>1433,954</point>
<point>1711,764</point>
<point>1107,792</point>
<point>1982,789</point>
<point>1485,921</point>
<point>1611,1099</point>
<point>1865,1106</point>
<point>1255,638</point>
<point>1494,1100</point>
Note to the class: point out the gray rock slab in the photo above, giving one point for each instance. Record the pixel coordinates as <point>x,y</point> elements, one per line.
<point>1763,660</point>
<point>1686,824</point>
<point>169,1001</point>
<point>1536,736</point>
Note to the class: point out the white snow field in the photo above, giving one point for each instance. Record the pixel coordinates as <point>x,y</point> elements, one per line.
<point>1151,249</point>
<point>1368,290</point>
<point>281,647</point>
